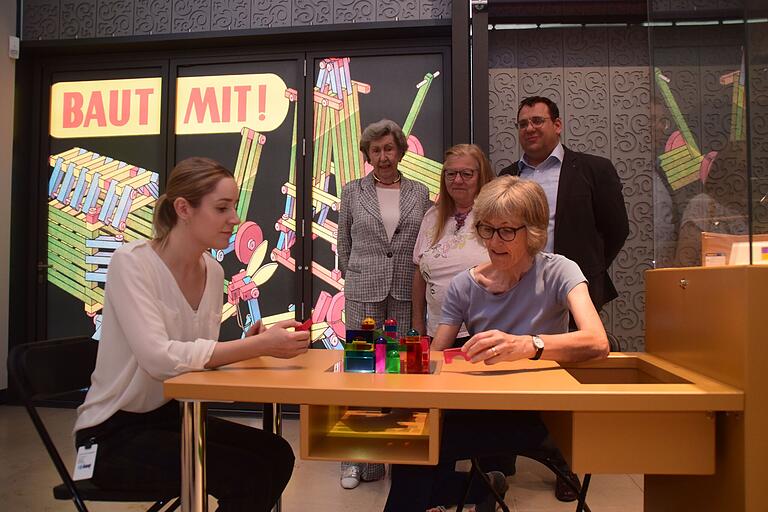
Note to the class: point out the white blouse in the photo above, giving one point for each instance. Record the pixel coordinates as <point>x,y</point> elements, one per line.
<point>389,207</point>
<point>457,250</point>
<point>149,333</point>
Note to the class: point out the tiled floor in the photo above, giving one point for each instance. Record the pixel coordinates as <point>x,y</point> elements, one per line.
<point>27,476</point>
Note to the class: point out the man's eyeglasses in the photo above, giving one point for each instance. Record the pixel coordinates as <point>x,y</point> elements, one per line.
<point>507,234</point>
<point>537,122</point>
<point>466,174</point>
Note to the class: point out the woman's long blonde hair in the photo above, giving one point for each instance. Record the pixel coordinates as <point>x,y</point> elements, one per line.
<point>446,206</point>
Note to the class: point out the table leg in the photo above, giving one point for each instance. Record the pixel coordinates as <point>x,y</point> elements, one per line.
<point>194,497</point>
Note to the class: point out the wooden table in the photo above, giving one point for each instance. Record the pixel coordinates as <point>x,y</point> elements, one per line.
<point>630,413</point>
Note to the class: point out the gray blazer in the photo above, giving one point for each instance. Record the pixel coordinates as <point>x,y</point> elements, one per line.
<point>374,267</point>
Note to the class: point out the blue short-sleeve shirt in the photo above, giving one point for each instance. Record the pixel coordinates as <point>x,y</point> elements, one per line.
<point>537,304</point>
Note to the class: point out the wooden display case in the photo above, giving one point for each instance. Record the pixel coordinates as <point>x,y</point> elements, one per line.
<point>712,321</point>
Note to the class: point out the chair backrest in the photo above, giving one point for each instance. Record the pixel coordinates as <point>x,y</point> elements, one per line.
<point>43,370</point>
<point>47,369</point>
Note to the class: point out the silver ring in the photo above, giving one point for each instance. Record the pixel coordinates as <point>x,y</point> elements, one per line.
<point>493,350</point>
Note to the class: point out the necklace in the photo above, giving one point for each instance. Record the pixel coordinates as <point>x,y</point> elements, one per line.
<point>376,178</point>
<point>460,218</point>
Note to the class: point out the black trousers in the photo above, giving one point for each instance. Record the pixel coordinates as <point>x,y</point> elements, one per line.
<point>465,434</point>
<point>247,468</point>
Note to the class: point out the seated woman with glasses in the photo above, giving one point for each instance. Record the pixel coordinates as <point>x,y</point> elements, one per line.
<point>515,306</point>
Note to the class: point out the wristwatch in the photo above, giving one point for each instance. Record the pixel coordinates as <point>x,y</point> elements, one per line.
<point>538,344</point>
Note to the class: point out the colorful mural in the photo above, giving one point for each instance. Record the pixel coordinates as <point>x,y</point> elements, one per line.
<point>98,202</point>
<point>337,161</point>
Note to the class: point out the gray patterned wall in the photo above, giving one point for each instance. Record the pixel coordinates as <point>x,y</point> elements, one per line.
<point>78,19</point>
<point>599,77</point>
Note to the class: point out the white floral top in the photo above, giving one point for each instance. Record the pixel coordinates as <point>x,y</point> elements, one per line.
<point>456,251</point>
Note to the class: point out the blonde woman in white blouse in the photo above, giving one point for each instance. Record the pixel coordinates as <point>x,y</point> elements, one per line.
<point>162,311</point>
<point>446,244</point>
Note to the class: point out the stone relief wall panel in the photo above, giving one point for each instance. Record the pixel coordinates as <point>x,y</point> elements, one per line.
<point>502,98</point>
<point>152,17</point>
<point>230,14</point>
<point>586,91</point>
<point>114,18</point>
<point>41,19</point>
<point>69,19</point>
<point>78,19</point>
<point>312,12</point>
<point>631,153</point>
<point>434,9</point>
<point>354,11</point>
<point>502,109</point>
<point>191,16</point>
<point>396,10</point>
<point>271,13</point>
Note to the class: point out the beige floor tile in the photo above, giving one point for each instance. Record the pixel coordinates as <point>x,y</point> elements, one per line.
<point>27,476</point>
<point>532,489</point>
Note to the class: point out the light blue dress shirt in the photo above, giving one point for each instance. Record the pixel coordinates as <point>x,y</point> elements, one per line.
<point>546,174</point>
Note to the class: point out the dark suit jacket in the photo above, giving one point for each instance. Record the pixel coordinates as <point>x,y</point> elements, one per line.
<point>590,219</point>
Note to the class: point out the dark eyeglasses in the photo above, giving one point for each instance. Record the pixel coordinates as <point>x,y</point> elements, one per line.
<point>507,234</point>
<point>537,122</point>
<point>466,174</point>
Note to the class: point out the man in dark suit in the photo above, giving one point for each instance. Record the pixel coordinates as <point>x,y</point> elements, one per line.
<point>587,218</point>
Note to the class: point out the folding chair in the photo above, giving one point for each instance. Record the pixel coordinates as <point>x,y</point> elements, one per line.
<point>46,370</point>
<point>477,471</point>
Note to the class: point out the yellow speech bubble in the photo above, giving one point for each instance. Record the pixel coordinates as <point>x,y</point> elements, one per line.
<point>106,108</point>
<point>226,103</point>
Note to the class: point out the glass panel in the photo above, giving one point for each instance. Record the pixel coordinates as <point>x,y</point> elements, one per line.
<point>757,127</point>
<point>260,148</point>
<point>708,131</point>
<point>349,94</point>
<point>105,154</point>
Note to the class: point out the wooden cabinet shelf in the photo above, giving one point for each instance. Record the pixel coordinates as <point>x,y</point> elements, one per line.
<point>399,436</point>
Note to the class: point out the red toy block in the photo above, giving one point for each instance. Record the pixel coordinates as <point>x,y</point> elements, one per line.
<point>450,354</point>
<point>307,325</point>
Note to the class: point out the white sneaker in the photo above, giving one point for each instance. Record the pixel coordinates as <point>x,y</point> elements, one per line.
<point>350,476</point>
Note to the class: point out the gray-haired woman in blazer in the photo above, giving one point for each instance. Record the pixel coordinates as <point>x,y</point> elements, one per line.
<point>379,221</point>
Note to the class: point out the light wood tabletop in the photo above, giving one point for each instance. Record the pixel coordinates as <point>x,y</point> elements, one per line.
<point>623,382</point>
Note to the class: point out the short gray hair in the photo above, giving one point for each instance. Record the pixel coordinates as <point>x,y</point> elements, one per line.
<point>379,129</point>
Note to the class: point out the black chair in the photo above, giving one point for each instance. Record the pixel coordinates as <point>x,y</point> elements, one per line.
<point>47,370</point>
<point>476,471</point>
